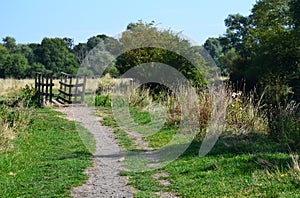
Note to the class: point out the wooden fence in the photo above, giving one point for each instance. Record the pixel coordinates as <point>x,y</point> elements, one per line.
<point>43,86</point>
<point>72,88</point>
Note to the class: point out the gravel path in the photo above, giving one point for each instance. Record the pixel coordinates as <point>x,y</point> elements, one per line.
<point>104,179</point>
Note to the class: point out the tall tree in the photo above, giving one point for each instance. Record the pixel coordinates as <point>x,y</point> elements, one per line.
<point>55,55</point>
<point>10,43</point>
<point>16,66</point>
<point>263,48</point>
<point>172,47</point>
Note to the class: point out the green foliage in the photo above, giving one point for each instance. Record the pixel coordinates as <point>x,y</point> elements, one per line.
<point>147,35</point>
<point>25,98</point>
<point>55,55</point>
<point>112,71</point>
<point>16,66</point>
<point>28,96</point>
<point>9,43</point>
<point>102,101</point>
<point>4,54</point>
<point>12,121</point>
<point>23,61</point>
<point>262,45</point>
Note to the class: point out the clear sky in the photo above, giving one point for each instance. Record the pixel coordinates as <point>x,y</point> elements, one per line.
<point>31,20</point>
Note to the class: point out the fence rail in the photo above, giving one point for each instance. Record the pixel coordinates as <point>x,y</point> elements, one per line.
<point>43,85</point>
<point>72,88</point>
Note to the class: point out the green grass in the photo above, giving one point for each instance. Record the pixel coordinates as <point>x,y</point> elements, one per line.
<point>223,173</point>
<point>47,160</point>
<point>244,166</point>
<point>162,137</point>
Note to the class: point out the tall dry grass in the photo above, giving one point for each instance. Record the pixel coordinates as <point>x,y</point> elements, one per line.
<point>10,85</point>
<point>242,116</point>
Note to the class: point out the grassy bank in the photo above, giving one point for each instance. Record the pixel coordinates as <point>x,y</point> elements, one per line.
<point>47,159</point>
<point>240,165</point>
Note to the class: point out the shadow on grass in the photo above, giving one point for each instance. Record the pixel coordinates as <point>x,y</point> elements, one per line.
<point>246,153</point>
<point>251,144</point>
<point>76,155</point>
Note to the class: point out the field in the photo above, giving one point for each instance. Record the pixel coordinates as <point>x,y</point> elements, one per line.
<point>9,86</point>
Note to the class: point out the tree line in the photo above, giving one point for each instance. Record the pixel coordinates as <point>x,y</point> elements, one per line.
<point>61,55</point>
<point>260,51</point>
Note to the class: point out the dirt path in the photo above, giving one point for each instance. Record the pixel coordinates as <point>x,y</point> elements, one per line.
<point>104,179</point>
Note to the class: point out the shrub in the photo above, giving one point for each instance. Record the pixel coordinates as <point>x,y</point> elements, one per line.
<point>26,97</point>
<point>102,100</point>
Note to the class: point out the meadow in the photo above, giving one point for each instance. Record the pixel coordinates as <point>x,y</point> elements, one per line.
<point>41,154</point>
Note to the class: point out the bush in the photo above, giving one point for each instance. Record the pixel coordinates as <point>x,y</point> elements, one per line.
<point>103,101</point>
<point>26,97</point>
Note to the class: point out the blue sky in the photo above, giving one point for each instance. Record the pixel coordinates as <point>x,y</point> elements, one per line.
<point>31,20</point>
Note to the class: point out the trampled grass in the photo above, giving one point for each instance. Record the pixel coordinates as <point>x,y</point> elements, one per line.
<point>47,159</point>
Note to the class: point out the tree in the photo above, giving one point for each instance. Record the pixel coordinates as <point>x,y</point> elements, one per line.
<point>295,12</point>
<point>172,51</point>
<point>4,54</point>
<point>214,47</point>
<point>16,66</point>
<point>264,45</point>
<point>55,56</point>
<point>36,67</point>
<point>69,43</point>
<point>99,58</point>
<point>80,51</point>
<point>9,43</point>
<point>95,40</point>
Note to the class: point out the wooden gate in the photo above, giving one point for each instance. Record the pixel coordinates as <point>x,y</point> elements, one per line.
<point>43,85</point>
<point>72,88</point>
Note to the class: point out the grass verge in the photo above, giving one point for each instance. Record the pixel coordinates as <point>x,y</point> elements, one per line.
<point>47,159</point>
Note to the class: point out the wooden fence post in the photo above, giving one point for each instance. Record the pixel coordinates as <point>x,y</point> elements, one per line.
<point>43,87</point>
